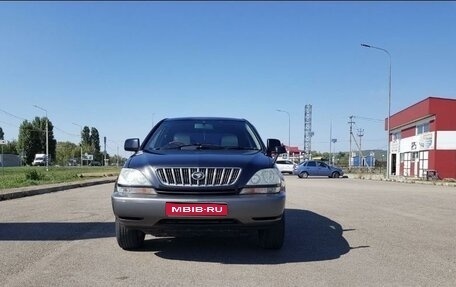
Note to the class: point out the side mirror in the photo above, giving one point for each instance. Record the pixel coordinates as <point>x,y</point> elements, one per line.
<point>280,149</point>
<point>275,146</point>
<point>131,145</point>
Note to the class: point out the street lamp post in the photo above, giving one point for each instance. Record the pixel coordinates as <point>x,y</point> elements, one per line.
<point>47,137</point>
<point>334,149</point>
<point>117,155</point>
<point>81,140</point>
<point>388,168</point>
<point>289,122</point>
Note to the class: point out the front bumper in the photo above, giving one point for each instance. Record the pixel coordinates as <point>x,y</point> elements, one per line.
<point>147,212</point>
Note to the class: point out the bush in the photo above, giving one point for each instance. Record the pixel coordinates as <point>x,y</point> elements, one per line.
<point>33,175</point>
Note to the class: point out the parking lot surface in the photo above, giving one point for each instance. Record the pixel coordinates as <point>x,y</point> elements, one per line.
<point>340,232</point>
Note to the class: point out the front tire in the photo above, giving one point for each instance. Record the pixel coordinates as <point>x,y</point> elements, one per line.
<point>129,239</point>
<point>274,236</point>
<point>335,174</point>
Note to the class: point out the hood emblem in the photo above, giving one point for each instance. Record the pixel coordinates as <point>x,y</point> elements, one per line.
<point>198,175</point>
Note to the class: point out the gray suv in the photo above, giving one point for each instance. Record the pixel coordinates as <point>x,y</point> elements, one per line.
<point>200,174</point>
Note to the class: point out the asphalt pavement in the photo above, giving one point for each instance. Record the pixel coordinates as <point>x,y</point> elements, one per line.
<point>339,232</point>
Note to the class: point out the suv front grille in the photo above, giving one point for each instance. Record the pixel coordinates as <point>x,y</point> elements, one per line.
<point>198,176</point>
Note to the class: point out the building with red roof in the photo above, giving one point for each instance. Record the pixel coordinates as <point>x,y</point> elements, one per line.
<point>423,139</point>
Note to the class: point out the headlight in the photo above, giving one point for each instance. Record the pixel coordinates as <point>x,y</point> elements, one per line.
<point>268,180</point>
<point>133,181</point>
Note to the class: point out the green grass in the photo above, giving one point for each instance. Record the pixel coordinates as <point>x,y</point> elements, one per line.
<point>12,177</point>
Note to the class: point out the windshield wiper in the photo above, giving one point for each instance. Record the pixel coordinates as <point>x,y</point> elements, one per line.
<point>240,148</point>
<point>150,151</point>
<point>200,146</point>
<point>193,146</point>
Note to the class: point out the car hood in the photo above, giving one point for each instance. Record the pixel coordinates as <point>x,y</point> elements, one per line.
<point>248,161</point>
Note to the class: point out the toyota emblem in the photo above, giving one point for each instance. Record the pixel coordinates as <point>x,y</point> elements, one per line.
<point>198,175</point>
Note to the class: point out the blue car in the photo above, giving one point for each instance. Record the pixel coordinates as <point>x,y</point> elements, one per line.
<point>317,168</point>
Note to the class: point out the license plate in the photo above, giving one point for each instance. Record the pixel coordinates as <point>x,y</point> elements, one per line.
<point>196,209</point>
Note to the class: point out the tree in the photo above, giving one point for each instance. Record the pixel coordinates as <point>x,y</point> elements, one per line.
<point>40,124</point>
<point>32,138</point>
<point>10,147</point>
<point>95,143</point>
<point>117,160</point>
<point>28,141</point>
<point>2,134</point>
<point>90,141</point>
<point>342,158</point>
<point>85,136</point>
<point>65,151</point>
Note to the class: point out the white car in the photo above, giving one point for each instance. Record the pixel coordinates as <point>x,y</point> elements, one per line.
<point>285,165</point>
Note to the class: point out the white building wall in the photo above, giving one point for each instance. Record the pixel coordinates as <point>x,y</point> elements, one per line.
<point>414,149</point>
<point>419,142</point>
<point>446,140</point>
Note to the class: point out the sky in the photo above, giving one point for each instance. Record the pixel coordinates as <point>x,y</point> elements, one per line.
<point>123,66</point>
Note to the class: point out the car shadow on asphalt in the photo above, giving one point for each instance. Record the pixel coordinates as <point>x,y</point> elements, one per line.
<point>50,231</point>
<point>309,237</point>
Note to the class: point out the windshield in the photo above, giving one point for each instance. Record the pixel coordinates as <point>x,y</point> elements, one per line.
<point>213,134</point>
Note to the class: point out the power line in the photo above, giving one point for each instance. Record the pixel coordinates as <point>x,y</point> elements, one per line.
<point>65,132</point>
<point>12,115</point>
<point>368,119</point>
<point>10,124</point>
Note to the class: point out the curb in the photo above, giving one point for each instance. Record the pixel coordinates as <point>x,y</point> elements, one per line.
<point>36,190</point>
<point>404,180</point>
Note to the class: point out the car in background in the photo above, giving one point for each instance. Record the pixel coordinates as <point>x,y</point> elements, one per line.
<point>317,168</point>
<point>72,162</point>
<point>40,159</point>
<point>285,166</point>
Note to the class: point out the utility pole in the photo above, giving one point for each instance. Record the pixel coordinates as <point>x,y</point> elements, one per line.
<point>81,139</point>
<point>47,137</point>
<point>104,151</point>
<point>2,142</point>
<point>351,122</point>
<point>331,142</point>
<point>360,135</point>
<point>334,153</point>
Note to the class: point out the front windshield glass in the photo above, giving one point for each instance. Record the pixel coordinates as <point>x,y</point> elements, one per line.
<point>187,134</point>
